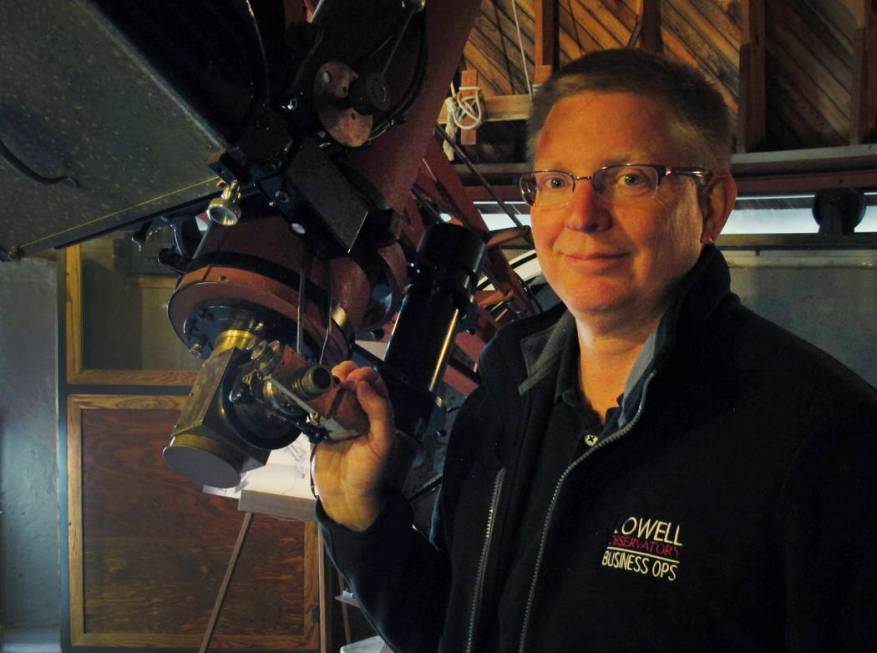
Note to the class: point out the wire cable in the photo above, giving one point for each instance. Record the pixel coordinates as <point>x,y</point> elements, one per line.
<point>30,173</point>
<point>465,159</point>
<point>521,46</point>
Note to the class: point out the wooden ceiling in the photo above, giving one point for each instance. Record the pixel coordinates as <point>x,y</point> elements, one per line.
<point>797,73</point>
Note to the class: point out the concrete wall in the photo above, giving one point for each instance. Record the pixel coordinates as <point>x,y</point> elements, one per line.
<point>29,524</point>
<point>827,298</point>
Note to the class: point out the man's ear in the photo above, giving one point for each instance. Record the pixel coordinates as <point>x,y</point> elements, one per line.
<point>717,202</point>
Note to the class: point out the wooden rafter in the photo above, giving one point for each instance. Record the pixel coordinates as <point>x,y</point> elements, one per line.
<point>545,45</point>
<point>751,117</point>
<point>864,95</point>
<point>647,31</point>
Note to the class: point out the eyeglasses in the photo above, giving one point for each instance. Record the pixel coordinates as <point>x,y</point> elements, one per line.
<point>624,183</point>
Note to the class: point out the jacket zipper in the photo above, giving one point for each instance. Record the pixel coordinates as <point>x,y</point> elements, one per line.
<point>482,562</point>
<point>617,435</point>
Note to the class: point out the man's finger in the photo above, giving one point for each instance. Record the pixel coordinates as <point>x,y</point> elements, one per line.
<point>379,412</point>
<point>343,369</point>
<point>370,376</point>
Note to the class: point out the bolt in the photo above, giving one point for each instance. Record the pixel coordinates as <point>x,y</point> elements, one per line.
<point>196,349</point>
<point>281,196</point>
<point>298,228</point>
<point>259,350</point>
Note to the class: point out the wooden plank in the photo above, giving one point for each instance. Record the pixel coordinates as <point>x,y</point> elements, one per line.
<point>795,52</point>
<point>722,16</point>
<point>73,310</point>
<point>677,48</point>
<point>806,182</point>
<point>752,97</point>
<point>796,32</point>
<point>590,17</point>
<point>573,39</point>
<point>832,48</point>
<point>153,281</point>
<point>710,60</point>
<point>509,38</point>
<point>147,547</point>
<point>693,13</point>
<point>545,45</point>
<point>863,114</point>
<point>494,80</point>
<point>787,102</point>
<point>490,60</point>
<point>73,332</point>
<point>839,18</point>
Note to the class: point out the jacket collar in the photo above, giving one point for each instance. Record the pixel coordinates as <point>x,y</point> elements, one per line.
<point>698,296</point>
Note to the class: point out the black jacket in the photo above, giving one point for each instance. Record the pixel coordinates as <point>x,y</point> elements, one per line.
<point>733,509</point>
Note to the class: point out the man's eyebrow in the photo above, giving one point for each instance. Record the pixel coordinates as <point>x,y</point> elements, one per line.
<point>617,159</point>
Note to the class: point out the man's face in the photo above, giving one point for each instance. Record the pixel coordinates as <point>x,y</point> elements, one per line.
<point>616,258</point>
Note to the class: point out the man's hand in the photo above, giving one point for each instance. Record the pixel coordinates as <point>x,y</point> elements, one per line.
<point>349,474</point>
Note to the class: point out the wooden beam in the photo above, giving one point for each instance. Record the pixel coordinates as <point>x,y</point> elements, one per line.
<point>545,39</point>
<point>864,96</point>
<point>751,112</point>
<point>648,26</point>
<point>501,107</point>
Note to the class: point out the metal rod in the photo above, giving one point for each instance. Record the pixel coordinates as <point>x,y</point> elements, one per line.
<point>303,274</point>
<point>411,9</point>
<point>226,581</point>
<point>465,159</point>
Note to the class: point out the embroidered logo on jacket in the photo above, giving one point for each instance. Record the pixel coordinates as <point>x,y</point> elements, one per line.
<point>650,547</point>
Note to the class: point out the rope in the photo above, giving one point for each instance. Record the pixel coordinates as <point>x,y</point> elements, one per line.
<point>460,108</point>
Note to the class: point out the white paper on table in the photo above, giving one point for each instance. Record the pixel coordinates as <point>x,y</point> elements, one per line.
<point>287,473</point>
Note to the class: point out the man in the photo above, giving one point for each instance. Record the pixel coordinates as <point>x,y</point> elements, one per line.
<point>650,466</point>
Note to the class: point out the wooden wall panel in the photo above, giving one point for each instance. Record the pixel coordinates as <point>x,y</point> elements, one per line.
<point>809,55</point>
<point>700,33</point>
<point>148,549</point>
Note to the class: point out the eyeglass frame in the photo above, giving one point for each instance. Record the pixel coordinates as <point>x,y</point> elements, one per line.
<point>702,175</point>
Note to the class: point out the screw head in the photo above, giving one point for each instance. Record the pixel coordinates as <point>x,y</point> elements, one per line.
<point>298,228</point>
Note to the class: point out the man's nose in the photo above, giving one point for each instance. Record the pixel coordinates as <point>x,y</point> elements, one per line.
<point>586,210</point>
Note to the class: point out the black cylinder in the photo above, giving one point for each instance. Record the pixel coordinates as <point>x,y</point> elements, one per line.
<point>440,291</point>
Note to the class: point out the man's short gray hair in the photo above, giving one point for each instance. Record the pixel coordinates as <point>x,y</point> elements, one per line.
<point>699,108</point>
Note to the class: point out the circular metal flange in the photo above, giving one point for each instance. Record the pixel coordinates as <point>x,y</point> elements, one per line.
<point>332,104</point>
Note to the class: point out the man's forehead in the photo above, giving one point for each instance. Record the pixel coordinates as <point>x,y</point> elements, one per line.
<point>608,128</point>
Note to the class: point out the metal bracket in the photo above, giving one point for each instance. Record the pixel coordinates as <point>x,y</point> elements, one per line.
<point>326,425</point>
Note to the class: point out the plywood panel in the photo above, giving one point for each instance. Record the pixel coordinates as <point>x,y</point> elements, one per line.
<point>148,549</point>
<point>809,56</point>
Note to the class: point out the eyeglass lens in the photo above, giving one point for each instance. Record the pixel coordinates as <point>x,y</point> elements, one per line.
<point>613,183</point>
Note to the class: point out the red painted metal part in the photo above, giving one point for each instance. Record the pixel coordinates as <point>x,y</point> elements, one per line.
<point>391,163</point>
<point>441,178</point>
